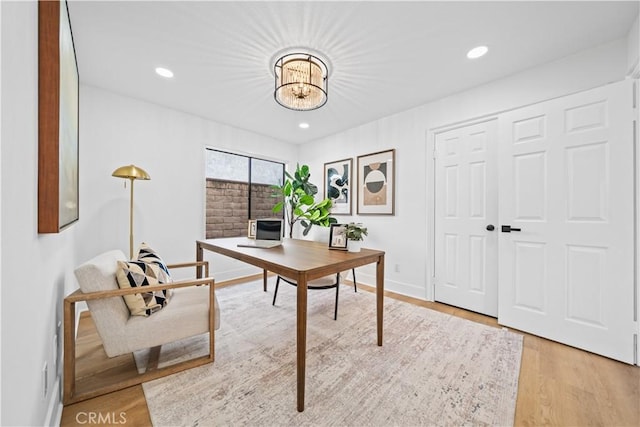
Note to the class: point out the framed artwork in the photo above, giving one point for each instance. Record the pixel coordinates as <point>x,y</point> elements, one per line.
<point>251,230</point>
<point>338,237</point>
<point>376,181</point>
<point>337,185</point>
<point>58,106</point>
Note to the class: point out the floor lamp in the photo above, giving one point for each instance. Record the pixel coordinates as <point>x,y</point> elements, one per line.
<point>132,173</point>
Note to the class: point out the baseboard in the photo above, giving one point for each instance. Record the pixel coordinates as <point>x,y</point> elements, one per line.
<point>54,409</point>
<point>394,286</point>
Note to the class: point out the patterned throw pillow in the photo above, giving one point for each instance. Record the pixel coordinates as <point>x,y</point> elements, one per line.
<point>138,274</point>
<point>148,255</point>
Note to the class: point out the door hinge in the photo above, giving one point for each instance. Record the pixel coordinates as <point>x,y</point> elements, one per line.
<point>435,154</point>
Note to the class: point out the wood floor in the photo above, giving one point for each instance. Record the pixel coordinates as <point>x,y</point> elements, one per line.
<point>558,385</point>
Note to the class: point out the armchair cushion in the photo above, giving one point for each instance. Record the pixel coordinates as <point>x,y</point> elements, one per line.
<point>122,333</point>
<point>133,274</point>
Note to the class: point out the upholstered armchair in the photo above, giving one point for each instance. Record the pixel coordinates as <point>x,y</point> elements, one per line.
<point>192,310</point>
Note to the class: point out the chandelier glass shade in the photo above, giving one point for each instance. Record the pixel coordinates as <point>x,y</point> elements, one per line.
<point>300,81</point>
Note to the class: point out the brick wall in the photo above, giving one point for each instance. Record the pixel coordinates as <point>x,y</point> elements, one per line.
<point>228,204</point>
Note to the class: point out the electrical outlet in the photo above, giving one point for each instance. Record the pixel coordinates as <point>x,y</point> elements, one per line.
<point>45,380</point>
<point>397,268</point>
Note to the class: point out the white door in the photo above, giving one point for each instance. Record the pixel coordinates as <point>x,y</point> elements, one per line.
<point>465,206</point>
<point>567,183</point>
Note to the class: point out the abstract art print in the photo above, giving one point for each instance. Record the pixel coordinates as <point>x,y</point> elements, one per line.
<point>376,180</point>
<point>337,185</point>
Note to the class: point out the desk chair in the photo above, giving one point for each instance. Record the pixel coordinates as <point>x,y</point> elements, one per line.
<point>327,282</point>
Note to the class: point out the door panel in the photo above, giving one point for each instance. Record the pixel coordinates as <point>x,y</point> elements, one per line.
<point>566,180</point>
<point>530,273</point>
<point>466,202</point>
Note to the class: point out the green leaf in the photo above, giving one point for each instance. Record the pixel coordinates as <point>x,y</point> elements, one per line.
<point>311,188</point>
<point>277,207</point>
<point>306,200</point>
<point>326,203</point>
<point>287,189</point>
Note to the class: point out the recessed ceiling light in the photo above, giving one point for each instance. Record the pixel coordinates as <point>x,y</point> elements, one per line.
<point>303,125</point>
<point>164,72</point>
<point>477,52</point>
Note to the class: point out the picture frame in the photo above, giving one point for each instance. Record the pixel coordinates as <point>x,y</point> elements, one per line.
<point>376,183</point>
<point>337,185</point>
<point>251,229</point>
<point>338,237</point>
<point>58,117</point>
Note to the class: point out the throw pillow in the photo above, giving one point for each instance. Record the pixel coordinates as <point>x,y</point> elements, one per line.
<point>148,255</point>
<point>139,274</point>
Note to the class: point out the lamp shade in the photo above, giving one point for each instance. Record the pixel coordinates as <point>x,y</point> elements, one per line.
<point>301,82</point>
<point>131,172</point>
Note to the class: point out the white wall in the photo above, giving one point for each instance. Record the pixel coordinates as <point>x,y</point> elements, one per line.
<point>0,218</point>
<point>170,146</point>
<point>35,268</point>
<point>404,236</point>
<point>633,49</point>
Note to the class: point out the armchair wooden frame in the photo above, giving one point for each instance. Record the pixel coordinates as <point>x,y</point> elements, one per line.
<point>72,395</point>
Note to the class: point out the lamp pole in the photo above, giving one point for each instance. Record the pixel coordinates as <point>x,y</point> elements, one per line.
<point>131,173</point>
<point>131,221</point>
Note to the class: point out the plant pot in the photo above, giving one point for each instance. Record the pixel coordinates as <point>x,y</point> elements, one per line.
<point>354,245</point>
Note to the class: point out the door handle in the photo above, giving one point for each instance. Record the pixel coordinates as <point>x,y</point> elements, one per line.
<point>490,227</point>
<point>509,229</point>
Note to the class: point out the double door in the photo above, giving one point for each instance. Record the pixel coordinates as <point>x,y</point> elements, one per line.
<point>534,219</point>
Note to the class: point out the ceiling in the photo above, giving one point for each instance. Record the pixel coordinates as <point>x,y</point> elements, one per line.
<point>384,57</point>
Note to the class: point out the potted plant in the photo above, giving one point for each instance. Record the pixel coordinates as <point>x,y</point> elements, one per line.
<point>299,203</point>
<point>355,233</point>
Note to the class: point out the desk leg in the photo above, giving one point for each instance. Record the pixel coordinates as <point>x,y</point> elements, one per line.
<point>380,295</point>
<point>264,279</point>
<point>198,258</point>
<point>302,337</point>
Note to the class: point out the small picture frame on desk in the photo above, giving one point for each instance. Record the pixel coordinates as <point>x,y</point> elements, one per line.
<point>338,237</point>
<point>251,229</point>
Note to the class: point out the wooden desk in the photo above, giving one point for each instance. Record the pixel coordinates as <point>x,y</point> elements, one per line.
<point>302,261</point>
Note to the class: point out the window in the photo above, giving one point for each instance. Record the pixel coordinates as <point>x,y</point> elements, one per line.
<point>238,189</point>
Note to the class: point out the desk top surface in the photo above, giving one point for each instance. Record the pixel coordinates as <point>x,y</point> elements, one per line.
<point>294,256</point>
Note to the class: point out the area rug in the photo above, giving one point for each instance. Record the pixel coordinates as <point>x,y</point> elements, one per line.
<point>433,369</point>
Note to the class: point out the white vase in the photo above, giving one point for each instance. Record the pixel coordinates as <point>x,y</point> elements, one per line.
<point>354,245</point>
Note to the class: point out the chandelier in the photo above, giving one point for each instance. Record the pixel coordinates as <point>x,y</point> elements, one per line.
<point>301,81</point>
